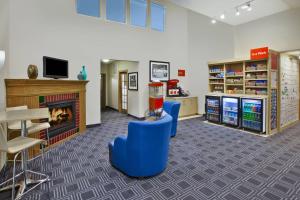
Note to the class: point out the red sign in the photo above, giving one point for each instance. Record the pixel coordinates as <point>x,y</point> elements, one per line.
<point>181,72</point>
<point>260,53</point>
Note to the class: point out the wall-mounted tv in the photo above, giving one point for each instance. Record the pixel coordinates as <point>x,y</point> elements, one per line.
<point>55,68</point>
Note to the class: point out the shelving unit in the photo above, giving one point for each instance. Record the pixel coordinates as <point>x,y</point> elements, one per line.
<point>239,77</point>
<point>216,78</point>
<point>234,78</point>
<point>254,78</point>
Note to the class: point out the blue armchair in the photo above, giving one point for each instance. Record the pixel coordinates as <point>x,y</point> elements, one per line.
<point>172,108</point>
<point>144,152</point>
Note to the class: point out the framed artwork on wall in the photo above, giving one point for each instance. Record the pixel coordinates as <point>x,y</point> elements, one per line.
<point>159,71</point>
<point>133,81</point>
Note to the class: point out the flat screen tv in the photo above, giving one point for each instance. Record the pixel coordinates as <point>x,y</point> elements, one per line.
<point>55,68</point>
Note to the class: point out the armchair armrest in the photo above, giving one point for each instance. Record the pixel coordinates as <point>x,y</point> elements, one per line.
<point>118,148</point>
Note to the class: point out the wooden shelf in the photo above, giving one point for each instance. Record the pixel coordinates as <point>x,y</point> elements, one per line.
<point>234,84</point>
<point>253,71</point>
<point>237,76</point>
<point>256,79</point>
<point>216,78</point>
<point>216,83</point>
<point>262,87</point>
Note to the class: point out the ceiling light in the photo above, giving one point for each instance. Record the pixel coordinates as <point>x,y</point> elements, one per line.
<point>213,21</point>
<point>237,13</point>
<point>249,8</point>
<point>105,60</point>
<point>222,16</point>
<point>245,6</point>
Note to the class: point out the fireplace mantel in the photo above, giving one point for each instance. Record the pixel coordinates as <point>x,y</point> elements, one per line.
<point>28,92</point>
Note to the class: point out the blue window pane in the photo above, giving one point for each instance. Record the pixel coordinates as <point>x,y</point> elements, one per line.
<point>138,12</point>
<point>115,10</point>
<point>157,16</point>
<point>89,7</point>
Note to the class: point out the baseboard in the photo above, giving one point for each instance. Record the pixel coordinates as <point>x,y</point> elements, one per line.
<point>112,108</point>
<point>93,125</point>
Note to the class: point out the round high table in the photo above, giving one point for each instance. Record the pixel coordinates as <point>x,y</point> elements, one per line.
<point>23,116</point>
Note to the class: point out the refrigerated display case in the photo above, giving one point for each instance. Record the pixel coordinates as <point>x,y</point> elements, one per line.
<point>213,109</point>
<point>253,114</point>
<point>231,111</point>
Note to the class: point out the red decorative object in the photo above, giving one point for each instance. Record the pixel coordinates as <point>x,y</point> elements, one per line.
<point>274,61</point>
<point>156,98</point>
<point>181,72</point>
<point>259,53</point>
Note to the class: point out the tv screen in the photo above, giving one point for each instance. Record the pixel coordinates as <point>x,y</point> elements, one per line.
<point>55,68</point>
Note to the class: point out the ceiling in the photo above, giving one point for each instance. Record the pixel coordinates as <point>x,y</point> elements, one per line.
<point>214,8</point>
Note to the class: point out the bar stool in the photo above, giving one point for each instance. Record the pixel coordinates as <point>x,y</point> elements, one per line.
<point>32,127</point>
<point>16,146</point>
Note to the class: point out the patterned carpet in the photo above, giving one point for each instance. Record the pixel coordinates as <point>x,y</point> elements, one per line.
<point>205,162</point>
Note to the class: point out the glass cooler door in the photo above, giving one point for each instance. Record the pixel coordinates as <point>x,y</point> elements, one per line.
<point>213,113</point>
<point>230,109</point>
<point>253,114</point>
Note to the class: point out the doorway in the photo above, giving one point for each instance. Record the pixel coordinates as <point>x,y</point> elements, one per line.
<point>116,98</point>
<point>123,92</point>
<point>103,91</point>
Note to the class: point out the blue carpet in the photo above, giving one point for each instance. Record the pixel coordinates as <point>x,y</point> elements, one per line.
<point>205,162</point>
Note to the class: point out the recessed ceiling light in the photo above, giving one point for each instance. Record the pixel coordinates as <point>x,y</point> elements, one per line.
<point>249,8</point>
<point>237,13</point>
<point>105,60</point>
<point>213,21</point>
<point>222,16</point>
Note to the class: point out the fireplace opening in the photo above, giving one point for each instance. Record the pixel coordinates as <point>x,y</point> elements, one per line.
<point>61,117</point>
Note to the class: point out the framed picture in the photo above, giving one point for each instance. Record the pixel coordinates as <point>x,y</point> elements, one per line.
<point>133,81</point>
<point>159,71</point>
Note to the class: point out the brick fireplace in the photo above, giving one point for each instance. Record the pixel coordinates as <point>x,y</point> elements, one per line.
<point>68,95</point>
<point>63,115</point>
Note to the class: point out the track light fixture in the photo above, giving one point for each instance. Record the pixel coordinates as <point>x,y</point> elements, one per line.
<point>249,7</point>
<point>245,6</point>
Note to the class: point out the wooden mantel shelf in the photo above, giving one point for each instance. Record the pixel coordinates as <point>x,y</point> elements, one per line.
<point>29,92</point>
<point>34,87</point>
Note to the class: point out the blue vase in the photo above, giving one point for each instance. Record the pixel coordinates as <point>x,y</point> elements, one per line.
<point>83,73</point>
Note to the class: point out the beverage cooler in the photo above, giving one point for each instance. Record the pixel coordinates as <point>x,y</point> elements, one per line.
<point>213,109</point>
<point>253,114</point>
<point>230,111</point>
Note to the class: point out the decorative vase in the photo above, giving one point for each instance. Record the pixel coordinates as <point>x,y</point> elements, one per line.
<point>83,72</point>
<point>32,72</point>
<point>79,76</point>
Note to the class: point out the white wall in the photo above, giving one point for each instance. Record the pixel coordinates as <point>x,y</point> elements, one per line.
<point>52,28</point>
<point>4,45</point>
<point>43,27</point>
<point>280,32</point>
<point>207,42</point>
